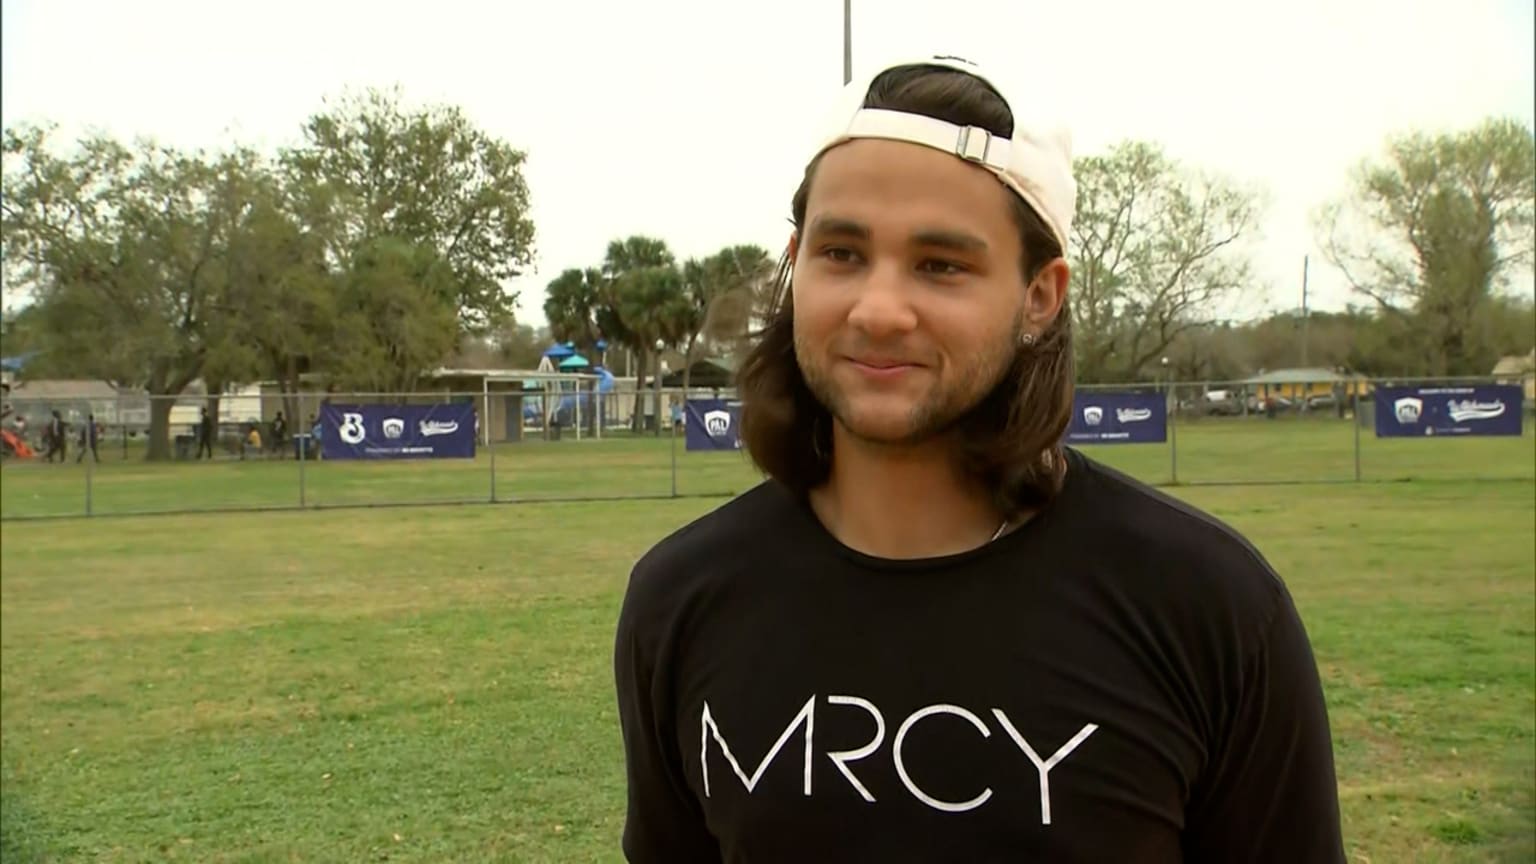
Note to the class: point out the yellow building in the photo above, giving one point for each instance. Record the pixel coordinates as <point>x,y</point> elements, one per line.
<point>1298,385</point>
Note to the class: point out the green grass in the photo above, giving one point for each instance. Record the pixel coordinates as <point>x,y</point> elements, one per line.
<point>1207,451</point>
<point>435,684</point>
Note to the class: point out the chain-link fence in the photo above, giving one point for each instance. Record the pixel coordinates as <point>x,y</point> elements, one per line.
<point>574,440</point>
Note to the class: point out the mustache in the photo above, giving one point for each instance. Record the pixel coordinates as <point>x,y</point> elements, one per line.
<point>903,351</point>
<point>887,350</point>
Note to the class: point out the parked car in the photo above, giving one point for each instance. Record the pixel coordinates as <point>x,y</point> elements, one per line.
<point>1220,403</point>
<point>1256,404</point>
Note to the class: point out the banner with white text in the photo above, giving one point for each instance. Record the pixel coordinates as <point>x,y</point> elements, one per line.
<point>712,424</point>
<point>1470,409</point>
<point>1118,417</point>
<point>441,431</point>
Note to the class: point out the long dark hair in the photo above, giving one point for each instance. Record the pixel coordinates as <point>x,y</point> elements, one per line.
<point>1011,440</point>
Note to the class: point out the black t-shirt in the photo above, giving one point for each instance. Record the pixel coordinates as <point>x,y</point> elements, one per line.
<point>1122,679</point>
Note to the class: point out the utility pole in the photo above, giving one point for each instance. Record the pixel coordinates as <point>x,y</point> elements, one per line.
<point>847,42</point>
<point>1304,313</point>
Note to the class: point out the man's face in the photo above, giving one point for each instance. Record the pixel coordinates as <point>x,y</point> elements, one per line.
<point>908,292</point>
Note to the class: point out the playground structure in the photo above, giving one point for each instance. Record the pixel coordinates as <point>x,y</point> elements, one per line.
<point>11,446</point>
<point>567,403</point>
<point>568,391</point>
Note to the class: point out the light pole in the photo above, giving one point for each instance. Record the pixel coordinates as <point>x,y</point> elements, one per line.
<point>847,41</point>
<point>659,346</point>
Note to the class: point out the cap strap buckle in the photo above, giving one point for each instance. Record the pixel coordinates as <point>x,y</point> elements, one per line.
<point>973,147</point>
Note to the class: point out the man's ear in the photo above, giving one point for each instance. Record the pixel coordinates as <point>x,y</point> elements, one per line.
<point>1046,295</point>
<point>794,246</point>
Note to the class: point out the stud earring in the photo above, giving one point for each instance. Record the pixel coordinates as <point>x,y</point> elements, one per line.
<point>1027,340</point>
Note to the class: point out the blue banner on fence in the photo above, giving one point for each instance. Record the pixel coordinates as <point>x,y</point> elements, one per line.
<point>712,424</point>
<point>1474,409</point>
<point>1118,418</point>
<point>443,431</point>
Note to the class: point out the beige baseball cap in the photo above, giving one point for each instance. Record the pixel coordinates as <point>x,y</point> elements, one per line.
<point>1035,163</point>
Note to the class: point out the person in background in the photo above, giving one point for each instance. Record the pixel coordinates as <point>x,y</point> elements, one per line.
<point>55,437</point>
<point>205,435</point>
<point>314,436</point>
<point>251,442</point>
<point>89,433</point>
<point>279,433</point>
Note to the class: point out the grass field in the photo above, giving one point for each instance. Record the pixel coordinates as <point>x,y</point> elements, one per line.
<point>434,684</point>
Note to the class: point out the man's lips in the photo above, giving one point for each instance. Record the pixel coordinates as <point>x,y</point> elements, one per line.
<point>882,367</point>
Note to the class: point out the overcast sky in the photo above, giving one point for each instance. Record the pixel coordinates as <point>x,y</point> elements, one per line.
<point>690,119</point>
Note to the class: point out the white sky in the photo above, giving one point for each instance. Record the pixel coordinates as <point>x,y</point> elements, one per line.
<point>690,119</point>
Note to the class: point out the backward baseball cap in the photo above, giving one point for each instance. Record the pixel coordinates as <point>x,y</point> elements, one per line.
<point>1035,163</point>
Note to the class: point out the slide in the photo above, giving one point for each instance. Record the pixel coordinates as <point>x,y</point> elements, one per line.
<point>16,445</point>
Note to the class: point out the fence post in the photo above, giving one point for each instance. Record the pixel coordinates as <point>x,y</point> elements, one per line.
<point>1357,431</point>
<point>122,426</point>
<point>485,425</point>
<point>305,443</point>
<point>672,431</point>
<point>89,446</point>
<point>1173,431</point>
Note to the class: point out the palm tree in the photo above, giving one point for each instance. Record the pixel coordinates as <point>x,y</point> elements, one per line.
<point>656,311</point>
<point>720,291</point>
<point>622,318</point>
<point>571,303</point>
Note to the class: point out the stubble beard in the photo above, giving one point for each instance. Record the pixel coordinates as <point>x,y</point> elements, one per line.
<point>934,414</point>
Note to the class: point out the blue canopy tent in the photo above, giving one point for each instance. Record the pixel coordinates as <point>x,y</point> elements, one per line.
<point>560,351</point>
<point>575,361</point>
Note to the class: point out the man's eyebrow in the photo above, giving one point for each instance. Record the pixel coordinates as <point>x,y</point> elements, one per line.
<point>839,226</point>
<point>958,241</point>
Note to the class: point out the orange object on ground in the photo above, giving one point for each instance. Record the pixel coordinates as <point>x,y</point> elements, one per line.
<point>16,445</point>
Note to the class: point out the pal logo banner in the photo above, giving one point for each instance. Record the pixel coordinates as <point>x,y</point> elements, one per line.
<point>398,431</point>
<point>1118,417</point>
<point>712,424</point>
<point>1473,409</point>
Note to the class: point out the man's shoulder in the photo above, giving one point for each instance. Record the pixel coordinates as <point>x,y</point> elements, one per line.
<point>715,543</point>
<point>1185,547</point>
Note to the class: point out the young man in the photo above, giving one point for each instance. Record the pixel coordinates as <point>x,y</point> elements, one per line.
<point>934,634</point>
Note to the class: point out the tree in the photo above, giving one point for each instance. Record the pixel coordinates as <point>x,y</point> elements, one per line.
<point>571,304</point>
<point>1210,352</point>
<point>371,169</point>
<point>1155,251</point>
<point>123,250</point>
<point>282,295</point>
<point>620,314</point>
<point>393,319</point>
<point>741,275</point>
<point>1510,324</point>
<point>641,297</point>
<point>720,292</point>
<point>656,311</point>
<point>1434,230</point>
<point>521,346</point>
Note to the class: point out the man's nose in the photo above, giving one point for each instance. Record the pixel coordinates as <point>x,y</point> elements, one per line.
<point>884,304</point>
